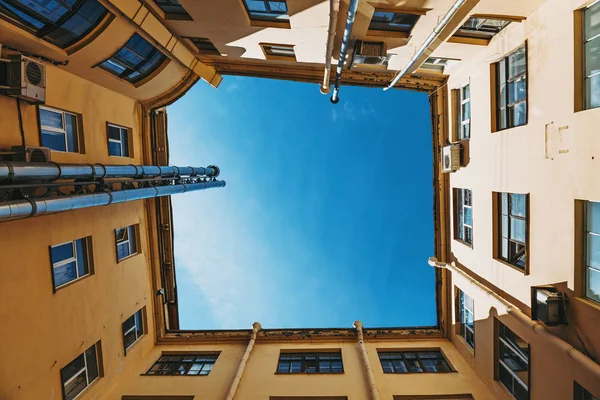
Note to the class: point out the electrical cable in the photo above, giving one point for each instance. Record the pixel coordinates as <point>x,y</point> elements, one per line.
<point>572,326</point>
<point>21,123</point>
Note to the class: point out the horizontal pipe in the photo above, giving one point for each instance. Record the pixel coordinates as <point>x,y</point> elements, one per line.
<point>21,171</point>
<point>18,209</point>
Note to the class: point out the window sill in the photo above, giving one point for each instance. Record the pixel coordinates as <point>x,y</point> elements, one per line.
<point>588,302</point>
<point>56,289</point>
<point>120,260</point>
<point>469,40</point>
<point>390,34</point>
<point>466,345</point>
<point>134,344</point>
<point>269,24</point>
<point>309,373</point>
<point>524,271</point>
<point>506,129</point>
<point>469,245</point>
<point>419,373</point>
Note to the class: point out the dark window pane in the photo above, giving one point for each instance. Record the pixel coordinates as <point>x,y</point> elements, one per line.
<point>82,259</point>
<point>51,119</point>
<point>64,274</point>
<point>92,363</point>
<point>53,140</point>
<point>78,25</point>
<point>76,386</point>
<point>125,142</point>
<point>114,148</point>
<point>72,368</point>
<point>61,252</point>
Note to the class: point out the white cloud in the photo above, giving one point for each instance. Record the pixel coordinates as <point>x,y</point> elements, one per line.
<point>231,87</point>
<point>334,114</point>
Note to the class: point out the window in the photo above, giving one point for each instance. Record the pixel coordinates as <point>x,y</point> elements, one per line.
<point>70,261</point>
<point>133,329</point>
<point>436,397</point>
<point>172,9</point>
<point>267,10</point>
<point>62,23</point>
<point>464,113</point>
<point>184,364</point>
<point>592,251</point>
<point>463,226</point>
<point>591,50</point>
<point>136,60</point>
<point>319,363</point>
<point>393,21</point>
<point>511,90</point>
<point>401,362</point>
<point>284,52</point>
<point>512,229</point>
<point>118,140</point>
<point>81,372</point>
<point>581,394</point>
<point>512,362</point>
<point>126,241</point>
<point>466,317</point>
<point>205,46</point>
<point>59,130</point>
<point>481,28</point>
<point>438,64</point>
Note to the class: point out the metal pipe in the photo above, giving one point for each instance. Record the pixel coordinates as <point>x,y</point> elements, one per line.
<point>365,357</point>
<point>352,7</point>
<point>434,35</point>
<point>584,361</point>
<point>240,371</point>
<point>18,209</point>
<point>20,171</point>
<point>334,9</point>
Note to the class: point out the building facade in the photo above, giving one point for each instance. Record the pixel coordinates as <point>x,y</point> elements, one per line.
<point>89,295</point>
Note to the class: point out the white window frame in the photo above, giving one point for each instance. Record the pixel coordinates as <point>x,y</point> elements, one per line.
<point>137,316</point>
<point>122,131</point>
<point>586,261</point>
<point>64,130</point>
<point>585,41</point>
<point>461,119</point>
<point>130,231</point>
<point>463,310</point>
<point>69,260</point>
<point>460,199</point>
<point>84,370</point>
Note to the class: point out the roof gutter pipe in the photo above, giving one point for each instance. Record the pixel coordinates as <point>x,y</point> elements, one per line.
<point>367,364</point>
<point>240,371</point>
<point>581,359</point>
<point>19,209</point>
<point>22,171</point>
<point>353,6</point>
<point>334,9</point>
<point>434,35</point>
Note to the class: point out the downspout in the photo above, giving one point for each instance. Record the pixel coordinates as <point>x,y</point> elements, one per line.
<point>334,9</point>
<point>240,371</point>
<point>434,35</point>
<point>367,364</point>
<point>352,7</point>
<point>584,361</point>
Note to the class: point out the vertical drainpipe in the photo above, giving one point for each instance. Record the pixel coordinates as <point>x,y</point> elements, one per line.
<point>365,357</point>
<point>352,7</point>
<point>240,371</point>
<point>334,9</point>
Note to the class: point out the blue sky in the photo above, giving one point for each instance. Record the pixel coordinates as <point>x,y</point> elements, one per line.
<point>327,213</point>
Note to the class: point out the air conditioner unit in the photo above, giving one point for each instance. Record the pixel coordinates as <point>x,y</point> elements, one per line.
<point>370,55</point>
<point>31,154</point>
<point>548,306</point>
<point>22,77</point>
<point>451,158</point>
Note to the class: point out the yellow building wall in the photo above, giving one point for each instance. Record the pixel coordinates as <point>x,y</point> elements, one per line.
<point>260,380</point>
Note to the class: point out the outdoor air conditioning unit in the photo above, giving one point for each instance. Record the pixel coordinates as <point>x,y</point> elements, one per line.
<point>370,55</point>
<point>24,78</point>
<point>451,158</point>
<point>548,305</point>
<point>31,154</point>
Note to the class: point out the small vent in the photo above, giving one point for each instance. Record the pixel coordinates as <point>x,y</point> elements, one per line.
<point>37,155</point>
<point>33,73</point>
<point>447,163</point>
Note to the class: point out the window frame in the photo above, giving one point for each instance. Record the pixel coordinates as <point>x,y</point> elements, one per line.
<point>461,121</point>
<point>139,315</point>
<point>269,55</point>
<point>89,260</point>
<point>141,79</point>
<point>50,27</point>
<point>424,370</point>
<point>180,15</point>
<point>214,354</point>
<point>99,366</point>
<point>497,226</point>
<point>131,230</point>
<point>266,23</point>
<point>78,135</point>
<point>397,11</point>
<point>501,364</point>
<point>197,41</point>
<point>433,64</point>
<point>584,40</point>
<point>458,200</point>
<point>586,268</point>
<point>129,146</point>
<point>462,319</point>
<point>496,92</point>
<point>472,36</point>
<point>303,354</point>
